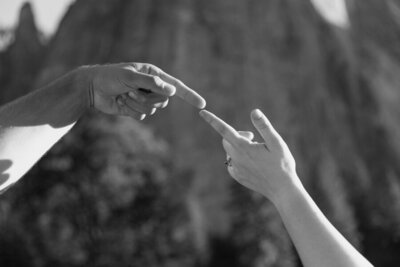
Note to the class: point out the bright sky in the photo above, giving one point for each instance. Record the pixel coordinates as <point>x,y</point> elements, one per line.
<point>333,11</point>
<point>48,13</point>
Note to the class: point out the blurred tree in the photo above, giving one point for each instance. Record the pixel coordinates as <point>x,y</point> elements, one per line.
<point>258,232</point>
<point>107,195</point>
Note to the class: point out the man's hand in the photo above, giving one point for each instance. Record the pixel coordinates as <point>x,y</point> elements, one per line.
<point>32,124</point>
<point>135,89</point>
<point>268,167</point>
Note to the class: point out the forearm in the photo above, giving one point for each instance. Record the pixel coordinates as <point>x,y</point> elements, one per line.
<point>270,169</point>
<point>315,238</point>
<point>31,125</point>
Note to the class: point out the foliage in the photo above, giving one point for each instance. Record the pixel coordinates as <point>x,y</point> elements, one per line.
<point>105,196</point>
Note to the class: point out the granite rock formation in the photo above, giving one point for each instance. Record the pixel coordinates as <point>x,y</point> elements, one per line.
<point>331,92</point>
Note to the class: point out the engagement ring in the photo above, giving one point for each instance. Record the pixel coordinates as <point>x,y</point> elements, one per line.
<point>228,162</point>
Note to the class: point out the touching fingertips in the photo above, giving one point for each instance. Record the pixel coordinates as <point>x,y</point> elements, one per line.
<point>205,115</point>
<point>201,102</point>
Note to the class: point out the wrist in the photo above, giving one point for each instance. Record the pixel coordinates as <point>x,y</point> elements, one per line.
<point>289,194</point>
<point>83,80</point>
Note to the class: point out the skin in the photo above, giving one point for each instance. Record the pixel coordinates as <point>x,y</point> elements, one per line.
<point>31,125</point>
<point>270,169</point>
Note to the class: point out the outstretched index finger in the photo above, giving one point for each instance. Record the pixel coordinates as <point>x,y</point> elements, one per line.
<point>183,91</point>
<point>224,129</point>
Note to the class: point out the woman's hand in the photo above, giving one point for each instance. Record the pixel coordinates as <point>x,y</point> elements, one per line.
<point>268,167</point>
<point>134,89</point>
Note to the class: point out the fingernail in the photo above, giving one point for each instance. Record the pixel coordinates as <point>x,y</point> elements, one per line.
<point>119,101</point>
<point>203,114</point>
<point>257,114</point>
<point>164,104</point>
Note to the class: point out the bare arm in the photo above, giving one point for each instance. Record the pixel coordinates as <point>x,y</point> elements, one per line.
<point>269,168</point>
<point>31,125</point>
<point>34,123</point>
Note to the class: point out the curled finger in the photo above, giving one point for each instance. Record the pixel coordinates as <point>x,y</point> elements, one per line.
<point>125,110</point>
<point>162,104</point>
<point>147,98</point>
<point>247,134</point>
<point>154,100</point>
<point>135,80</point>
<point>139,107</point>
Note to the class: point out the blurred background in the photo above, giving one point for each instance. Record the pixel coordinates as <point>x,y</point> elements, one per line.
<point>115,192</point>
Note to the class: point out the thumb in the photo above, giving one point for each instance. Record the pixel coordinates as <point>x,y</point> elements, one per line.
<point>264,127</point>
<point>247,134</point>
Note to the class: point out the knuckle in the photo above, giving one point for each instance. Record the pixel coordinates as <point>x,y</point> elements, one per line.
<point>158,81</point>
<point>155,79</point>
<point>150,67</point>
<point>135,66</point>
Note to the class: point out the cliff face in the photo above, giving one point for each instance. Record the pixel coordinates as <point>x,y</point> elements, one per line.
<point>21,62</point>
<point>332,92</point>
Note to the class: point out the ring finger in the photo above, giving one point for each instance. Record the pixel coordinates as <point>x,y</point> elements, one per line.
<point>228,162</point>
<point>146,109</point>
<point>149,98</point>
<point>125,110</point>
